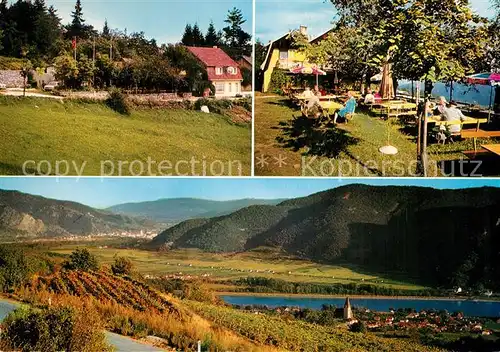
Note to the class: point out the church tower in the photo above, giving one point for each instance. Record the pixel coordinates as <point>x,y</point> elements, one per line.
<point>347,309</point>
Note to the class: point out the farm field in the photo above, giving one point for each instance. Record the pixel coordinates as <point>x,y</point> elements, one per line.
<point>220,267</point>
<point>86,135</point>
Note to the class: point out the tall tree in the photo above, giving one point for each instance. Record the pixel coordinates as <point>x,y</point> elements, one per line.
<point>106,32</point>
<point>198,39</point>
<point>212,38</point>
<point>237,41</point>
<point>187,37</point>
<point>78,28</point>
<point>48,32</point>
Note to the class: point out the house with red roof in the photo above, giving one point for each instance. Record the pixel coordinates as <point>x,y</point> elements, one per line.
<point>223,72</point>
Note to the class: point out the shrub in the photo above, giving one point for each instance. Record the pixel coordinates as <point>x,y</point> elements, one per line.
<point>117,101</point>
<point>122,266</point>
<point>54,329</point>
<point>358,327</point>
<point>279,79</point>
<point>82,259</point>
<point>16,267</point>
<point>245,103</point>
<point>216,106</point>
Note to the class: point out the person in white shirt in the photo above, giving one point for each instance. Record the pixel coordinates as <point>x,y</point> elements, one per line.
<point>453,114</point>
<point>369,97</point>
<point>308,93</point>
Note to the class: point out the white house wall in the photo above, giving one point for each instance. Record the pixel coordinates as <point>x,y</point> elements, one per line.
<point>231,88</point>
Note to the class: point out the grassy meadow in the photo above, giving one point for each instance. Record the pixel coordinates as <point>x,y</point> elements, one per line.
<point>308,148</point>
<point>223,267</point>
<point>83,132</point>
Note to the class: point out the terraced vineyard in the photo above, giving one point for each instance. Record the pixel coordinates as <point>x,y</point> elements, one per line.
<point>124,291</point>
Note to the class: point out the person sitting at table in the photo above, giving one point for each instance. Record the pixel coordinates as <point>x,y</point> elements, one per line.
<point>378,97</point>
<point>349,108</point>
<point>369,97</point>
<point>441,106</point>
<point>453,114</point>
<point>308,93</point>
<point>312,106</point>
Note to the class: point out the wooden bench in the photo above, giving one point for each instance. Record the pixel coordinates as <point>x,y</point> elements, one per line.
<point>473,154</point>
<point>479,134</point>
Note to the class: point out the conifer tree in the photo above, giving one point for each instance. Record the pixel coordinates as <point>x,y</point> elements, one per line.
<point>212,37</point>
<point>187,37</point>
<point>198,39</point>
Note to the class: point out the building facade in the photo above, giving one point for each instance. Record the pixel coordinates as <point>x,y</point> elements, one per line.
<point>223,72</point>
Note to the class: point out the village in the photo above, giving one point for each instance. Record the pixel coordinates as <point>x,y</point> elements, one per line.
<point>396,320</point>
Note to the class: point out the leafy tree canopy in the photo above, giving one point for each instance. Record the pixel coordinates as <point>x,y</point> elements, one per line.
<point>430,40</point>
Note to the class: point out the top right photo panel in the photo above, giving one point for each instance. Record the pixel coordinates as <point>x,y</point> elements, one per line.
<point>374,88</point>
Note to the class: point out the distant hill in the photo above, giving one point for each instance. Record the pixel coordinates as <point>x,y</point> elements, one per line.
<point>38,216</point>
<point>443,236</point>
<point>180,209</point>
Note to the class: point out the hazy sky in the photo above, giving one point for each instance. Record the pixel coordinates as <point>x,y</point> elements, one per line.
<point>98,192</point>
<point>163,20</point>
<point>276,17</point>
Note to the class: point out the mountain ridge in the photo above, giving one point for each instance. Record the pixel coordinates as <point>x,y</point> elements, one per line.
<point>35,215</point>
<point>363,225</point>
<point>175,210</point>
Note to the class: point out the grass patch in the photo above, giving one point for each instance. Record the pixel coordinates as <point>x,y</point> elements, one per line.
<point>91,133</point>
<point>309,148</point>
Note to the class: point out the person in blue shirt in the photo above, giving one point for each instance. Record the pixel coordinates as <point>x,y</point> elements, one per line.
<point>349,108</point>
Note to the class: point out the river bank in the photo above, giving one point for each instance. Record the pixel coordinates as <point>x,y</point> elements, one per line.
<point>321,296</point>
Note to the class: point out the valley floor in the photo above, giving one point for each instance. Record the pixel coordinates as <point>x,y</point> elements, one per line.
<point>222,267</point>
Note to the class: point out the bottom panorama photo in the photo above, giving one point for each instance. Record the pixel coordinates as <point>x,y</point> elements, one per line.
<point>128,264</point>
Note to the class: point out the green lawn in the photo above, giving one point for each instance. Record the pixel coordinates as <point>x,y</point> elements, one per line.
<point>287,144</point>
<point>228,266</point>
<point>43,129</point>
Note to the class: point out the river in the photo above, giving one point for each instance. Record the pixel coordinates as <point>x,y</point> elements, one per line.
<point>471,94</point>
<point>468,308</point>
<point>120,343</point>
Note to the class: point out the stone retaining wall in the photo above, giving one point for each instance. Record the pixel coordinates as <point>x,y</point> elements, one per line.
<point>11,78</point>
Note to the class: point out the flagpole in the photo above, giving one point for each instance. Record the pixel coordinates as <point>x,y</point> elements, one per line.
<point>93,63</point>
<point>74,47</point>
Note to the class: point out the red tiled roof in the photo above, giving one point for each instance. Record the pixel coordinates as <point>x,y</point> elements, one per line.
<point>216,57</point>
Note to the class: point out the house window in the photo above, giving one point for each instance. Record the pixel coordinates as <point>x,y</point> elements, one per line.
<point>283,54</point>
<point>230,87</point>
<point>232,70</point>
<point>218,70</point>
<point>219,88</point>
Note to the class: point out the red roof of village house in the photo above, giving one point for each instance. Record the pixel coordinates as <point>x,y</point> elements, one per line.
<point>216,57</point>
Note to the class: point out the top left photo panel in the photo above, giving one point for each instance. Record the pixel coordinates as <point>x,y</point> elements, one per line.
<point>114,88</point>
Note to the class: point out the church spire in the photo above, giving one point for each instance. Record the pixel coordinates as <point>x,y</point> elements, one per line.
<point>347,309</point>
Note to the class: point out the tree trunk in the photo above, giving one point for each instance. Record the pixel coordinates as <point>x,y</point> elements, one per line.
<point>429,86</point>
<point>496,104</point>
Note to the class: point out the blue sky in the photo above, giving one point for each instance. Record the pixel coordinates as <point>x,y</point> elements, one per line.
<point>274,18</point>
<point>103,192</point>
<point>163,20</point>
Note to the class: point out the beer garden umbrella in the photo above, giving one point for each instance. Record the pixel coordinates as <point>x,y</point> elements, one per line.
<point>487,79</point>
<point>309,71</point>
<point>387,92</point>
<point>387,85</point>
